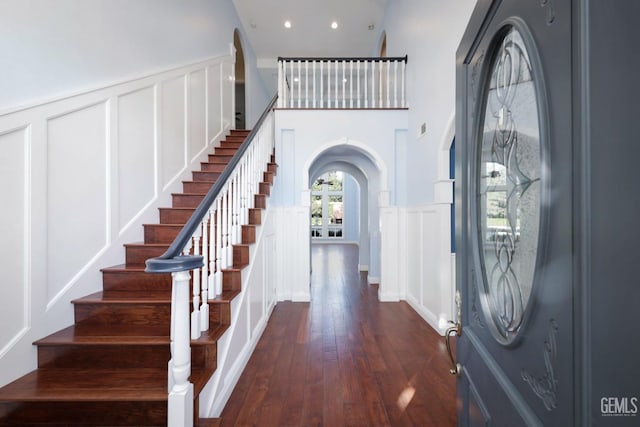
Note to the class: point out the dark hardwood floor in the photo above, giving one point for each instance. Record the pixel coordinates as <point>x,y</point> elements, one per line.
<point>344,359</point>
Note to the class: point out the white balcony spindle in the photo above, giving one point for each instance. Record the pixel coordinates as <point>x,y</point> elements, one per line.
<point>314,84</point>
<point>358,88</point>
<point>344,83</point>
<point>351,84</point>
<point>395,84</point>
<point>306,84</point>
<point>366,85</point>
<point>403,66</point>
<point>321,86</point>
<point>336,98</point>
<point>387,76</point>
<point>380,87</point>
<point>293,85</point>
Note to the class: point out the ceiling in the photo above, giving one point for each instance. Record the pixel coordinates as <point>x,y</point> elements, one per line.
<point>310,33</point>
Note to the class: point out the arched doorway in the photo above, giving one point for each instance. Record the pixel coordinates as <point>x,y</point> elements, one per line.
<point>239,87</point>
<point>369,173</point>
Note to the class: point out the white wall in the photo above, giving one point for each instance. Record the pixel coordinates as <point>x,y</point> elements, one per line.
<point>428,31</point>
<point>51,49</point>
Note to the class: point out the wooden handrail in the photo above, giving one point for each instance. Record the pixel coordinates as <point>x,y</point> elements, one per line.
<point>173,260</point>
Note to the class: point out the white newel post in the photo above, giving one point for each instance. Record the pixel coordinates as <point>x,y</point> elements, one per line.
<point>180,405</point>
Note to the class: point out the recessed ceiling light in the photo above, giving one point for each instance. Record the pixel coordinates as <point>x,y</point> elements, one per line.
<point>334,25</point>
<point>287,24</point>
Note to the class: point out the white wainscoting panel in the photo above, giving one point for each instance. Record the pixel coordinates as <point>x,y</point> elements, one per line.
<point>428,262</point>
<point>172,136</point>
<point>294,267</point>
<point>76,193</point>
<point>390,243</point>
<point>197,112</point>
<point>136,153</point>
<point>14,229</point>
<point>214,101</point>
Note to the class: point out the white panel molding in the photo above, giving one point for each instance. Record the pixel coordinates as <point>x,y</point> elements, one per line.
<point>428,316</point>
<point>432,265</point>
<point>23,133</point>
<point>77,119</point>
<point>389,289</point>
<point>172,129</point>
<point>294,267</point>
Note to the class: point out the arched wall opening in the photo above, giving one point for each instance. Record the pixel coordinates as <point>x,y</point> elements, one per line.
<point>370,173</point>
<point>239,83</point>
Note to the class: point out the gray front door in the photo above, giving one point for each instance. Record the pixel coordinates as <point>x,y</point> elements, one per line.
<point>515,225</point>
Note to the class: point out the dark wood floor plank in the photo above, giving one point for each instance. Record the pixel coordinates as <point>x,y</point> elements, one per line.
<point>344,359</point>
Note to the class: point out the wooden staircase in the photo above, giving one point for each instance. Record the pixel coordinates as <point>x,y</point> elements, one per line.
<point>110,367</point>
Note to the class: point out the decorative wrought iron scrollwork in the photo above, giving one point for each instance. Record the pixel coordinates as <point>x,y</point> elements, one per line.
<point>509,166</point>
<point>551,13</point>
<point>474,296</point>
<point>546,386</point>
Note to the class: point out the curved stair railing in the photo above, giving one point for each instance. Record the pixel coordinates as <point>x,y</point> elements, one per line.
<point>202,250</point>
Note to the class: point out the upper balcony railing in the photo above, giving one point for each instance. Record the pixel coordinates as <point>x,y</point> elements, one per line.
<point>342,83</point>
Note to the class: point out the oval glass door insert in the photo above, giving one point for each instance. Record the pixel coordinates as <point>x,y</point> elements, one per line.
<point>508,186</point>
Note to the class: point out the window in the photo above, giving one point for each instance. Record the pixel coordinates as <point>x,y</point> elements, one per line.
<point>327,207</point>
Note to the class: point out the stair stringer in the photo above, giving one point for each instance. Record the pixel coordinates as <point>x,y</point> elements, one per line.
<point>237,344</point>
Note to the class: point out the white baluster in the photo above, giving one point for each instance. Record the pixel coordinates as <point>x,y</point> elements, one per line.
<point>204,306</point>
<point>195,314</point>
<point>314,84</point>
<point>306,84</point>
<point>387,75</point>
<point>344,83</point>
<point>219,251</point>
<point>280,90</point>
<point>230,231</point>
<point>299,84</point>
<point>380,88</point>
<point>336,96</point>
<point>373,84</point>
<point>180,402</point>
<point>358,77</point>
<point>395,84</point>
<point>293,85</point>
<point>403,65</point>
<point>351,84</point>
<point>366,85</point>
<point>321,86</point>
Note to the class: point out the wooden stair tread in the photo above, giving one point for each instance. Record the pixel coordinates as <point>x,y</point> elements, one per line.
<point>155,245</point>
<point>211,336</point>
<point>82,385</point>
<point>123,268</point>
<point>124,297</point>
<point>107,334</point>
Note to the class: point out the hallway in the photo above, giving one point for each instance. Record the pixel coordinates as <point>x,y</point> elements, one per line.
<point>344,359</point>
